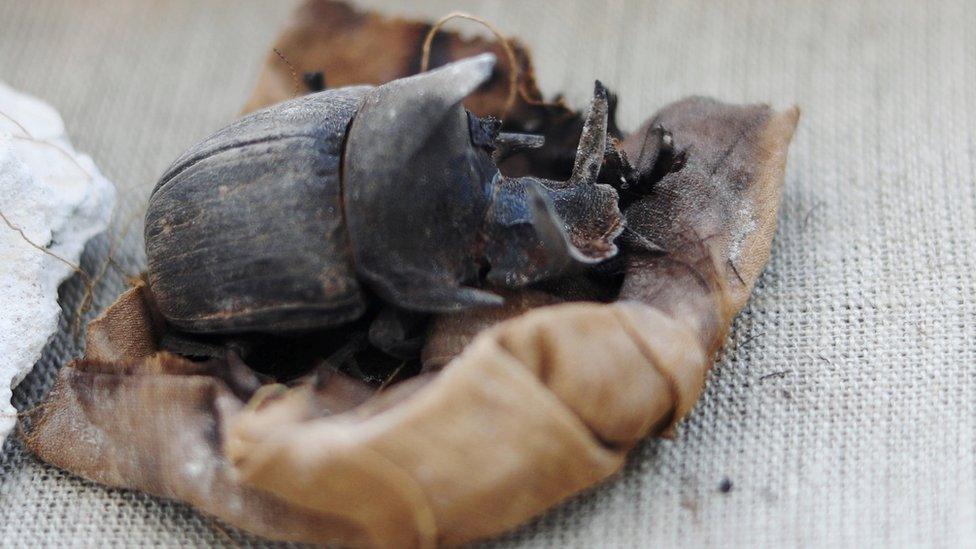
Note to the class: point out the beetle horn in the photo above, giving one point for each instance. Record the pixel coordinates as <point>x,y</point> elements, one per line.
<point>593,140</point>
<point>410,111</point>
<point>413,181</point>
<point>435,92</point>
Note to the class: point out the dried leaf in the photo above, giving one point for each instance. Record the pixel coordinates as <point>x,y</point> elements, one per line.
<point>715,217</point>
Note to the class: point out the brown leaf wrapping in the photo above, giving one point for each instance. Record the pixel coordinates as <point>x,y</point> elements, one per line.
<point>522,406</point>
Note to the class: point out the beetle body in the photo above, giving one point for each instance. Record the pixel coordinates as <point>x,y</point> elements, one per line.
<point>292,217</point>
<point>246,229</point>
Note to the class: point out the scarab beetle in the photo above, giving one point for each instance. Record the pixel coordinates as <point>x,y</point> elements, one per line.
<point>291,218</point>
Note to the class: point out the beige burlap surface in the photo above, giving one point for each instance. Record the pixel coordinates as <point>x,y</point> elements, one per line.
<point>844,409</point>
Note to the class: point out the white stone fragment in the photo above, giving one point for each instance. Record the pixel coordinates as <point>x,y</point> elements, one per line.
<point>59,200</point>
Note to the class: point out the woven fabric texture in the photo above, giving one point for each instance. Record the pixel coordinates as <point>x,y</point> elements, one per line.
<point>843,412</point>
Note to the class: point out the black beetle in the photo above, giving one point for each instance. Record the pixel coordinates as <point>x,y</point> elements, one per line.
<point>287,219</point>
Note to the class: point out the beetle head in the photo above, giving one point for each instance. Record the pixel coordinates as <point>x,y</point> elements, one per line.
<point>539,228</point>
<point>427,209</point>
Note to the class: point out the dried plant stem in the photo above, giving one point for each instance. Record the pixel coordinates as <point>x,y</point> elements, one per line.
<point>87,299</point>
<point>16,123</point>
<point>26,413</point>
<point>28,136</point>
<point>60,149</point>
<point>559,103</point>
<point>294,73</point>
<point>392,376</point>
<point>513,87</point>
<point>88,281</point>
<point>75,267</point>
<point>224,533</point>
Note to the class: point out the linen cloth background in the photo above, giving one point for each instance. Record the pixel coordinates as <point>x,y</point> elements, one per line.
<point>844,409</point>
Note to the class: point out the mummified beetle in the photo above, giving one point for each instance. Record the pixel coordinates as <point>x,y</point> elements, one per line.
<point>278,221</point>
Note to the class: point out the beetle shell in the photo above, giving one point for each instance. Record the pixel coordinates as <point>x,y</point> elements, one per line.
<point>415,205</point>
<point>245,230</point>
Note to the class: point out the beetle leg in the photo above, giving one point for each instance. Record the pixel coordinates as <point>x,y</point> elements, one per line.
<point>398,332</point>
<point>507,143</point>
<point>657,149</point>
<point>617,170</point>
<point>657,157</point>
<point>342,359</point>
<point>520,140</point>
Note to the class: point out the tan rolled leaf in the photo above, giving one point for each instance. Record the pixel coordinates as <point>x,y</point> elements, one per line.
<point>532,412</point>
